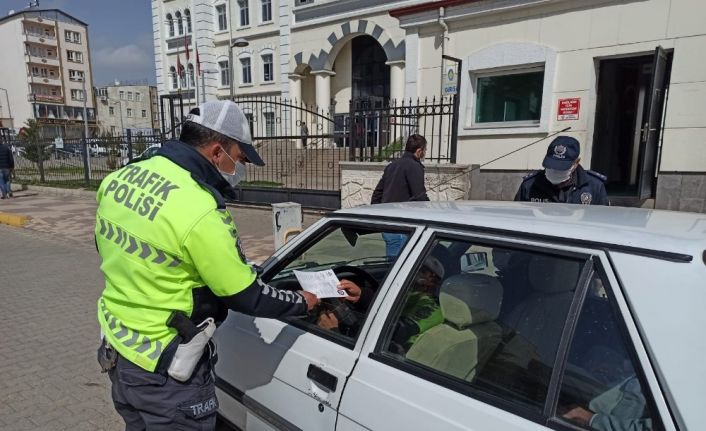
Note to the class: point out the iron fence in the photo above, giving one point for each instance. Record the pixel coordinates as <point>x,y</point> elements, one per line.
<point>76,162</point>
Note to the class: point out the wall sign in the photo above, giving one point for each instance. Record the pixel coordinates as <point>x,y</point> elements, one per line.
<point>568,109</point>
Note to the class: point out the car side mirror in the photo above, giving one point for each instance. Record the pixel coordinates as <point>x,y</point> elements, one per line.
<point>474,261</point>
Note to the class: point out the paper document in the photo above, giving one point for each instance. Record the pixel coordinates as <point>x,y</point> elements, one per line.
<point>323,284</point>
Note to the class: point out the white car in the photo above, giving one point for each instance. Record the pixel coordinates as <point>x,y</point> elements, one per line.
<point>493,316</point>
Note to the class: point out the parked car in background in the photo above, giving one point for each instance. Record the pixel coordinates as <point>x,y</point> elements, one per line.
<point>149,152</point>
<point>535,316</point>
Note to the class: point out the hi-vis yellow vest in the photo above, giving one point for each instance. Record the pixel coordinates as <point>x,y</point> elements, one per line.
<point>160,235</point>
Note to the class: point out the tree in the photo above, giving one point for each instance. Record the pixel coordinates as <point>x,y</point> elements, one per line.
<point>35,151</point>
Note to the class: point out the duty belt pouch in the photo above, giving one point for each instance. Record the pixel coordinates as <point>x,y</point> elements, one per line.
<point>187,355</point>
<point>107,357</point>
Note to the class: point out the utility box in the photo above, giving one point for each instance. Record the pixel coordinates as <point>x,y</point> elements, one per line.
<point>286,222</point>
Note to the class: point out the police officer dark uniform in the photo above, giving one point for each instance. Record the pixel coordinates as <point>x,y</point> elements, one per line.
<point>563,179</point>
<point>170,248</point>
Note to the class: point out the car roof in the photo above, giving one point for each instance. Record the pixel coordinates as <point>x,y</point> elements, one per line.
<point>623,227</point>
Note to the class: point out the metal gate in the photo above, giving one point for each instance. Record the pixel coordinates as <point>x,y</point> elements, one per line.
<point>303,145</point>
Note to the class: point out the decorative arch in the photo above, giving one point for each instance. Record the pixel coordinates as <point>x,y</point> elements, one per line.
<point>325,57</point>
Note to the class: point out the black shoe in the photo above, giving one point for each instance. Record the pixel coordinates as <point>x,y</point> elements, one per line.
<point>11,195</point>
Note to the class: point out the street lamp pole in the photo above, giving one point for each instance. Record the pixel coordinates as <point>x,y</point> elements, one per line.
<point>240,43</point>
<point>9,108</point>
<point>85,126</point>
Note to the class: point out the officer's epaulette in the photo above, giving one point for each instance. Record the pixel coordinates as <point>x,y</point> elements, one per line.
<point>597,175</point>
<point>531,175</point>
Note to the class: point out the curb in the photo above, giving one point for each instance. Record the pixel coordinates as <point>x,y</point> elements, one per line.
<point>58,191</point>
<point>16,220</point>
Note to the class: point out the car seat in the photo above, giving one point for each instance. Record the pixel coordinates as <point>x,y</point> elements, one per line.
<point>539,319</point>
<point>470,303</point>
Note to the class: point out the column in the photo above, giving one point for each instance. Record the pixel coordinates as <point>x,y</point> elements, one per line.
<point>397,78</point>
<point>323,89</point>
<point>296,114</point>
<point>323,103</point>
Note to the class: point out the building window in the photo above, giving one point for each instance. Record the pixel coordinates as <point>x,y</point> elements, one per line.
<point>122,95</point>
<point>129,96</point>
<point>244,13</point>
<point>245,68</point>
<point>144,113</point>
<point>129,112</point>
<point>268,74</point>
<point>222,17</point>
<point>225,73</point>
<point>112,130</point>
<point>187,17</point>
<point>173,77</point>
<point>72,56</point>
<point>111,111</point>
<point>266,10</point>
<point>170,25</point>
<point>103,92</point>
<point>269,123</point>
<point>180,23</point>
<point>76,94</point>
<point>509,97</point>
<point>190,71</point>
<point>72,36</point>
<point>76,75</point>
<point>138,97</point>
<point>182,77</point>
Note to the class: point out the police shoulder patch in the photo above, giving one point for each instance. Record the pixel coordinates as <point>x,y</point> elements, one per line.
<point>597,175</point>
<point>531,175</point>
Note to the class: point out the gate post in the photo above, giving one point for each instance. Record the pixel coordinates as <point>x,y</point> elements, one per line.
<point>128,138</point>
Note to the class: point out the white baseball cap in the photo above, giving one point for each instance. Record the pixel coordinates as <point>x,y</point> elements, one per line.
<point>226,118</point>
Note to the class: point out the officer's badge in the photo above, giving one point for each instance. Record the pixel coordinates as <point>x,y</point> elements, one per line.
<point>586,198</point>
<point>560,150</point>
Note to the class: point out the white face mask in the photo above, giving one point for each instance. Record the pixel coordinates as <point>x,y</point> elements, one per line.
<point>556,176</point>
<point>240,171</point>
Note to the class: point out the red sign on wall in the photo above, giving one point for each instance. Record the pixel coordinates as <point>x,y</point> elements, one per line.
<point>568,109</point>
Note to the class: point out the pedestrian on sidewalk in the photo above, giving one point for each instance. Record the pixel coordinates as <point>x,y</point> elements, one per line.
<point>402,181</point>
<point>173,267</point>
<point>7,167</point>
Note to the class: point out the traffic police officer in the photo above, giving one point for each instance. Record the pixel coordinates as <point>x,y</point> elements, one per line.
<point>563,179</point>
<point>168,244</point>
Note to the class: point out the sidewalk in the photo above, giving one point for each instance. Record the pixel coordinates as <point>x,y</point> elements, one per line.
<point>72,218</point>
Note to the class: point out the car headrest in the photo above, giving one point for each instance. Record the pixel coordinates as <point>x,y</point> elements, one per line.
<point>553,275</point>
<point>468,299</point>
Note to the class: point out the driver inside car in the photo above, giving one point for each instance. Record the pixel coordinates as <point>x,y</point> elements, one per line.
<point>421,310</point>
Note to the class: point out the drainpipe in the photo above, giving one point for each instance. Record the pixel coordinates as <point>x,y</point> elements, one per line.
<point>445,29</point>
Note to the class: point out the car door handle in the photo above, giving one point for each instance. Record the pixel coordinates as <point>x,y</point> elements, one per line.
<point>324,378</point>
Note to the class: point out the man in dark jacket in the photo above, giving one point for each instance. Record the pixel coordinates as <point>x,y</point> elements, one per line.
<point>402,181</point>
<point>563,179</point>
<point>7,166</point>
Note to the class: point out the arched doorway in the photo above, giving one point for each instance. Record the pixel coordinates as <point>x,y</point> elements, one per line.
<point>370,76</point>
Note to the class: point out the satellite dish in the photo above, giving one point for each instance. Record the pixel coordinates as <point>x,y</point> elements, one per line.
<point>12,12</point>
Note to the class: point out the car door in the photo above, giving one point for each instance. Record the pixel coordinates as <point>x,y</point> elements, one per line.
<point>496,357</point>
<point>290,374</point>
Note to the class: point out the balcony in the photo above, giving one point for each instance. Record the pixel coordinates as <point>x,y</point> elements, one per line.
<point>40,39</point>
<point>33,97</point>
<point>38,20</point>
<point>42,60</point>
<point>47,80</point>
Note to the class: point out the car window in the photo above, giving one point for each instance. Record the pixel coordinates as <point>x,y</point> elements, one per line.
<point>360,257</point>
<point>484,318</point>
<point>602,389</point>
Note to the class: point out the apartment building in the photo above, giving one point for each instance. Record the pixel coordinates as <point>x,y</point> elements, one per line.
<point>124,106</point>
<point>46,73</point>
<point>212,29</point>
